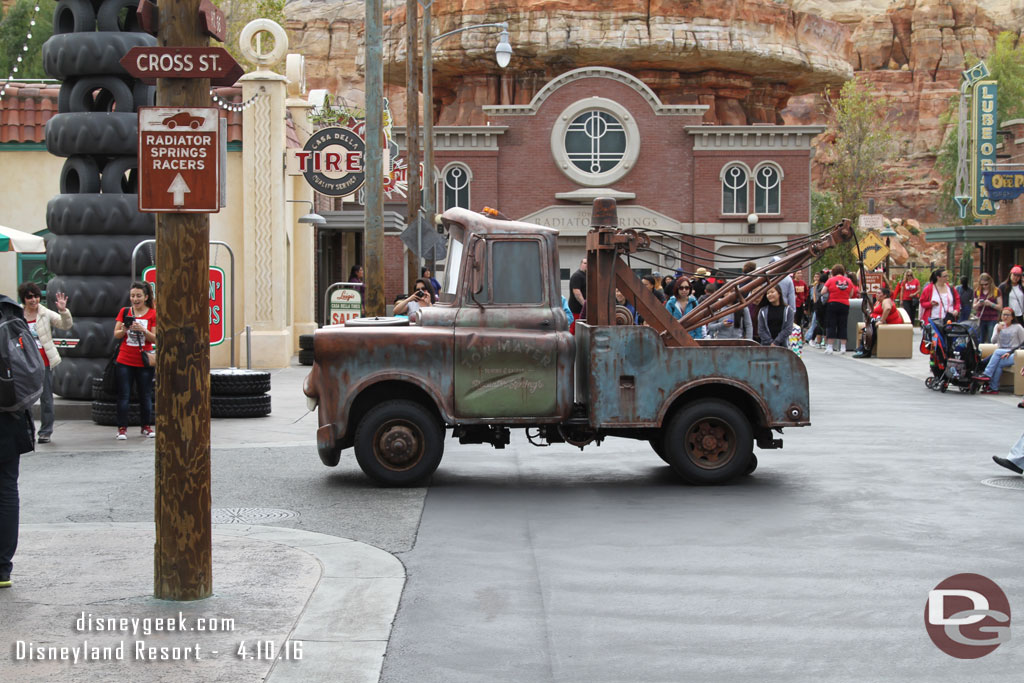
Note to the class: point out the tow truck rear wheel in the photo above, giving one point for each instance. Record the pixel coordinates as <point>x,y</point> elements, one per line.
<point>709,442</point>
<point>399,443</point>
<point>659,447</point>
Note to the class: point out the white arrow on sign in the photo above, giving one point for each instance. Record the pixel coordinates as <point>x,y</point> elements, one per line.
<point>178,189</point>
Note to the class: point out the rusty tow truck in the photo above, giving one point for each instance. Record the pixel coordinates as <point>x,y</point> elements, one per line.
<point>495,353</point>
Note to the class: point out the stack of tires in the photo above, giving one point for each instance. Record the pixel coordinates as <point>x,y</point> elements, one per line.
<point>306,349</point>
<point>239,393</point>
<point>94,222</point>
<point>233,393</point>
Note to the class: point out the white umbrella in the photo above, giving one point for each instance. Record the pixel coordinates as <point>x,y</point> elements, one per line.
<point>23,242</point>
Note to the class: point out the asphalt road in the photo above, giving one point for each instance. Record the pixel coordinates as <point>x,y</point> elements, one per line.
<point>559,565</point>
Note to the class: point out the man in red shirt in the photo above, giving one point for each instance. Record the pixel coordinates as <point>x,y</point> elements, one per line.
<point>908,293</point>
<point>800,289</point>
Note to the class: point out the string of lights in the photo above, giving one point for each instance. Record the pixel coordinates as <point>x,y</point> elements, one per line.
<point>21,54</point>
<point>233,106</point>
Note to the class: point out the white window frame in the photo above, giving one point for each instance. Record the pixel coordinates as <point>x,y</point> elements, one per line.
<point>733,211</point>
<point>778,188</point>
<point>444,182</point>
<point>629,157</point>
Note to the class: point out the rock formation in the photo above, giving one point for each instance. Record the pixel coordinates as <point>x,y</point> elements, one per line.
<point>752,61</point>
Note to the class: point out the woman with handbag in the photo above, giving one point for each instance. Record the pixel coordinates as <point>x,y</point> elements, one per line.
<point>42,321</point>
<point>136,328</point>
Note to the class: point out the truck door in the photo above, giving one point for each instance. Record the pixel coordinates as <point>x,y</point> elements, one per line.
<point>508,337</point>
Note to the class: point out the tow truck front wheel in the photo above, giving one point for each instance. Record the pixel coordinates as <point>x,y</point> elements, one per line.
<point>709,442</point>
<point>399,443</point>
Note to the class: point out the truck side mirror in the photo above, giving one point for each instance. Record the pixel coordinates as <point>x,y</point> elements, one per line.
<point>477,281</point>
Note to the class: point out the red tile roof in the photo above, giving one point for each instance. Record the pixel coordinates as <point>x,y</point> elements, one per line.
<point>26,107</point>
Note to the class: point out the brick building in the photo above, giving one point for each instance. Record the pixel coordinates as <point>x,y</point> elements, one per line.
<point>598,131</point>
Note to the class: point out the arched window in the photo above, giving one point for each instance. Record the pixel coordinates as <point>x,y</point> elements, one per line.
<point>767,189</point>
<point>456,186</point>
<point>734,189</point>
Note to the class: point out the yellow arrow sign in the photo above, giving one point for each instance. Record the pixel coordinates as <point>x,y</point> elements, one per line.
<point>873,250</point>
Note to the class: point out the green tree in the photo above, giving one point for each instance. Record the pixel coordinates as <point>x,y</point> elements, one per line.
<point>1006,66</point>
<point>858,142</point>
<point>825,212</point>
<point>15,26</point>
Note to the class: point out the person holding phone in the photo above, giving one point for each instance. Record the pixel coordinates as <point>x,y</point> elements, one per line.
<point>136,328</point>
<point>420,298</point>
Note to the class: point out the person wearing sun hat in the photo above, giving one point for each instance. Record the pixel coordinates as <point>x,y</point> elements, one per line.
<point>1012,290</point>
<point>699,282</point>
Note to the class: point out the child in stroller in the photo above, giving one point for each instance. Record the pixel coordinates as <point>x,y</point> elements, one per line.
<point>954,357</point>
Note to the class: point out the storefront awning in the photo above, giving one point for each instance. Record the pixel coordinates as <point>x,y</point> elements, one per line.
<point>976,233</point>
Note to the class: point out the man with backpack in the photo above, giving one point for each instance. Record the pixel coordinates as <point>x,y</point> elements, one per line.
<point>21,383</point>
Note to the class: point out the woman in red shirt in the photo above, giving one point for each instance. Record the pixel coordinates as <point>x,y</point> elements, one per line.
<point>884,313</point>
<point>907,293</point>
<point>837,310</point>
<point>136,328</point>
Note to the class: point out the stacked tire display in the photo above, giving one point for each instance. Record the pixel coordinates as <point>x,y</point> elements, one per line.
<point>305,349</point>
<point>95,222</point>
<point>239,393</point>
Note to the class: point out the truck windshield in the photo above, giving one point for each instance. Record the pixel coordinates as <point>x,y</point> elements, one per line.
<point>452,268</point>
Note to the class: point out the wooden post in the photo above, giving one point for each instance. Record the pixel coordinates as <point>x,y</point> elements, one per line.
<point>182,562</point>
<point>373,161</point>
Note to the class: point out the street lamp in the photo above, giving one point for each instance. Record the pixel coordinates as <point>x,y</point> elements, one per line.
<point>888,233</point>
<point>312,217</point>
<point>502,55</point>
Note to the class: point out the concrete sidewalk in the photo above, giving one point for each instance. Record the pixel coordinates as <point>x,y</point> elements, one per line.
<point>303,606</point>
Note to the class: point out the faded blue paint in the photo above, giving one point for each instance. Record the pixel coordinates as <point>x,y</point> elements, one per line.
<point>627,377</point>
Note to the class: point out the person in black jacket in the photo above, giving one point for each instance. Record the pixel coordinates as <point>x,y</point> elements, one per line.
<point>775,319</point>
<point>17,436</point>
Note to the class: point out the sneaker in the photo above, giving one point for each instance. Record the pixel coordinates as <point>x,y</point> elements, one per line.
<point>122,433</point>
<point>982,378</point>
<point>842,349</point>
<point>5,579</point>
<point>995,458</point>
<point>148,432</point>
<point>860,354</point>
<point>829,350</point>
<point>43,438</point>
<point>989,390</point>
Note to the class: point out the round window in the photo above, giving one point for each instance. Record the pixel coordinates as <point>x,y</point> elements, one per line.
<point>595,142</point>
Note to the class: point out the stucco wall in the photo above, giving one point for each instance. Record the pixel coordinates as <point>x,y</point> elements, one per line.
<point>31,176</point>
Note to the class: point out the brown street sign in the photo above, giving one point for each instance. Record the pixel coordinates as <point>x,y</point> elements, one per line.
<point>179,164</point>
<point>150,63</point>
<point>214,23</point>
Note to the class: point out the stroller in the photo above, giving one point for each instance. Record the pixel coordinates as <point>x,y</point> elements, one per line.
<point>954,357</point>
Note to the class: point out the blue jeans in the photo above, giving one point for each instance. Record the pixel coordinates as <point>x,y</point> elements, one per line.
<point>46,404</point>
<point>985,328</point>
<point>995,366</point>
<point>143,378</point>
<point>1016,455</point>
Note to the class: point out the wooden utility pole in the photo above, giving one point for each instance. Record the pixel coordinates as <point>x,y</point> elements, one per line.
<point>183,553</point>
<point>373,159</point>
<point>412,124</point>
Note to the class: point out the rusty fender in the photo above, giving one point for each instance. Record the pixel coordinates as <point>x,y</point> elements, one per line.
<point>348,360</point>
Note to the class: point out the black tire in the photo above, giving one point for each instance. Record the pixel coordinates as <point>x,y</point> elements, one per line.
<point>753,464</point>
<point>709,442</point>
<point>94,296</point>
<point>240,406</point>
<point>95,255</point>
<point>73,377</point>
<point>145,95</point>
<point>659,447</point>
<point>238,382</point>
<point>69,55</point>
<point>114,134</point>
<point>306,357</point>
<point>79,175</point>
<point>99,94</point>
<point>120,176</point>
<point>929,382</point>
<point>399,443</point>
<point>98,214</point>
<point>105,413</point>
<point>99,395</point>
<point>95,337</point>
<point>379,321</point>
<point>74,16</point>
<point>943,387</point>
<point>118,15</point>
<point>306,342</point>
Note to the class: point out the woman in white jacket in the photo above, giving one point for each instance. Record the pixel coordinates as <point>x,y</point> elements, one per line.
<point>41,321</point>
